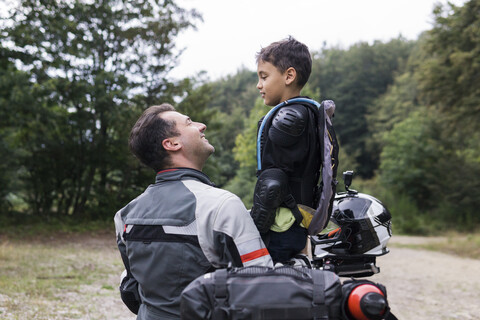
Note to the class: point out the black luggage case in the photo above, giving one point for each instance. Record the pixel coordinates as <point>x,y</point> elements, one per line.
<point>263,293</point>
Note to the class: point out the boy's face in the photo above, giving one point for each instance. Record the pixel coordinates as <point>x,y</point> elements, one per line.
<point>271,83</point>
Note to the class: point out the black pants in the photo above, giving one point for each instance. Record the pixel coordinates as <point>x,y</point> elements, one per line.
<point>285,245</point>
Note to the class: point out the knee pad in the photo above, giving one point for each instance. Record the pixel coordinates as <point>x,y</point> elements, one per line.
<point>270,192</point>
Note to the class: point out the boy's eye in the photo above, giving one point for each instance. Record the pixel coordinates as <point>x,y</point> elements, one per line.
<point>262,76</point>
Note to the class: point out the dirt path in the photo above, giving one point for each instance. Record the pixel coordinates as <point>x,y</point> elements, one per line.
<point>421,284</point>
<point>426,285</point>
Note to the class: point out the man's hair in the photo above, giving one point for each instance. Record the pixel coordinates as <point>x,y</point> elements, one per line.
<point>288,53</point>
<point>147,136</point>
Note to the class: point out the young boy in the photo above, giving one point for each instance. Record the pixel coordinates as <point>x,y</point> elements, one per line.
<point>289,152</point>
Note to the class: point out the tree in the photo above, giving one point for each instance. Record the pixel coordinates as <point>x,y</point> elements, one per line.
<point>354,78</point>
<point>15,90</point>
<point>448,82</point>
<point>409,156</point>
<point>236,92</point>
<point>396,104</point>
<point>234,96</point>
<point>93,67</point>
<point>245,154</point>
<point>433,153</point>
<point>449,76</point>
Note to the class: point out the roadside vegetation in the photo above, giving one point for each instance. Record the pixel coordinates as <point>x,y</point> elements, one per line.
<point>406,119</point>
<point>453,243</point>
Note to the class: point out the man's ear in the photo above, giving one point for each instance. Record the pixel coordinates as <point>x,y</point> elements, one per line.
<point>290,75</point>
<point>171,144</point>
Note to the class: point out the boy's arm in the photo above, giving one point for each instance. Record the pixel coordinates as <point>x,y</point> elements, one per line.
<point>288,125</point>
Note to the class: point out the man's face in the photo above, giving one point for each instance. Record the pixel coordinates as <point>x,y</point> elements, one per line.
<point>271,83</point>
<point>192,138</point>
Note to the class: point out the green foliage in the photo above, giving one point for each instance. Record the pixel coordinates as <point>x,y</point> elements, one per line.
<point>449,76</point>
<point>233,96</point>
<point>400,100</point>
<point>74,77</point>
<point>408,159</point>
<point>221,166</point>
<point>88,70</point>
<point>14,91</point>
<point>246,143</point>
<point>354,78</point>
<point>236,92</point>
<point>245,153</point>
<point>407,218</point>
<point>424,165</point>
<point>431,155</point>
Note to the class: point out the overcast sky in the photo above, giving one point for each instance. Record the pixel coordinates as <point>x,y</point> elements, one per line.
<point>233,31</point>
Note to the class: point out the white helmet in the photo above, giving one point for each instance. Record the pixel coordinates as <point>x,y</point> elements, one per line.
<point>364,227</point>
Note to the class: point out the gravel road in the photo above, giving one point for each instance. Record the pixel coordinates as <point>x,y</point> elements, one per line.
<point>422,284</point>
<point>427,285</point>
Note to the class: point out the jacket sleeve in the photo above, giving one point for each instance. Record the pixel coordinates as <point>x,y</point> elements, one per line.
<point>128,284</point>
<point>233,237</point>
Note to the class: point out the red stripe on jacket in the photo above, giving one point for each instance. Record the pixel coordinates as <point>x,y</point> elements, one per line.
<point>254,255</point>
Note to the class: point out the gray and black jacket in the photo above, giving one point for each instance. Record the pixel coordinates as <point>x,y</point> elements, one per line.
<point>182,227</point>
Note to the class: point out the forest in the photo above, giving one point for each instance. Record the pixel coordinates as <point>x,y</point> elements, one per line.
<point>73,84</point>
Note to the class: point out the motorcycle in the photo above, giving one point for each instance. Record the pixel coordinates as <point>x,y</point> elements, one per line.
<point>357,233</point>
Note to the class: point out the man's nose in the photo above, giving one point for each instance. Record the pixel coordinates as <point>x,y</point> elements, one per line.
<point>259,85</point>
<point>201,126</point>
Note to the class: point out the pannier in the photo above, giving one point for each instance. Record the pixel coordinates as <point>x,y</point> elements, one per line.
<point>263,293</point>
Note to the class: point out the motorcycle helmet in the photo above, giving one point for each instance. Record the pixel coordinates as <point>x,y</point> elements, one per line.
<point>364,227</point>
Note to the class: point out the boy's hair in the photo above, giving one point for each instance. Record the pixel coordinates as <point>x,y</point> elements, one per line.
<point>288,53</point>
<point>147,135</point>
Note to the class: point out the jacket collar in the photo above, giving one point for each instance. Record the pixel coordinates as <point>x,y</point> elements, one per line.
<point>182,173</point>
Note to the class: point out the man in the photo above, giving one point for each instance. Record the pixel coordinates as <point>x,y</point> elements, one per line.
<point>181,227</point>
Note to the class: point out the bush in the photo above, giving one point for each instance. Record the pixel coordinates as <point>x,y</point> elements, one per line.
<point>407,218</point>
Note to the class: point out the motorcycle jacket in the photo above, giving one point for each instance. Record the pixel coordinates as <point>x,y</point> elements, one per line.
<point>180,228</point>
<point>297,137</point>
<point>290,143</point>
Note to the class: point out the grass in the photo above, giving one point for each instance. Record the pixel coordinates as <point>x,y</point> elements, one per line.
<point>466,246</point>
<point>63,276</point>
<point>24,226</point>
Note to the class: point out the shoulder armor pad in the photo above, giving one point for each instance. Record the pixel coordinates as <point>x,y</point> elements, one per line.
<point>290,120</point>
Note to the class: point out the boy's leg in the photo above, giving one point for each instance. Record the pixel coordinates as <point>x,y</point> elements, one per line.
<point>283,246</point>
